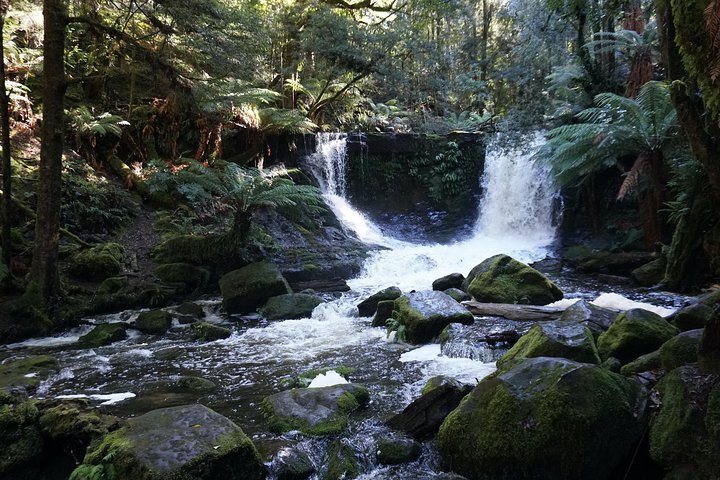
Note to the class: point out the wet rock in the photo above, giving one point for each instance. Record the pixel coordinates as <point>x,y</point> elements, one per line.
<point>195,384</point>
<point>634,333</point>
<point>168,353</point>
<point>191,309</point>
<point>209,332</point>
<point>26,372</point>
<point>457,294</point>
<point>191,276</point>
<point>553,339</point>
<point>383,313</point>
<point>342,464</point>
<point>502,279</point>
<point>602,261</point>
<point>397,449</point>
<point>248,288</point>
<point>681,349</point>
<point>98,262</point>
<point>290,306</point>
<point>368,306</point>
<point>74,420</point>
<point>454,280</point>
<point>485,340</point>
<point>424,314</point>
<point>321,285</point>
<point>292,464</point>
<point>304,379</point>
<point>692,317</point>
<point>422,418</point>
<point>685,433</point>
<point>546,418</point>
<point>651,273</point>
<point>21,442</point>
<point>104,334</point>
<point>186,442</point>
<point>597,319</point>
<point>155,322</point>
<point>314,411</point>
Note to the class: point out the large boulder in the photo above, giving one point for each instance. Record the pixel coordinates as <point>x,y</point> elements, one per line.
<point>290,306</point>
<point>190,275</point>
<point>454,280</point>
<point>634,333</point>
<point>98,263</point>
<point>485,340</point>
<point>184,443</point>
<point>104,334</point>
<point>553,339</point>
<point>155,322</point>
<point>681,349</point>
<point>314,411</point>
<point>692,317</point>
<point>368,306</point>
<point>424,314</point>
<point>685,434</point>
<point>383,313</point>
<point>597,319</point>
<point>502,279</point>
<point>247,288</point>
<point>546,418</point>
<point>651,273</point>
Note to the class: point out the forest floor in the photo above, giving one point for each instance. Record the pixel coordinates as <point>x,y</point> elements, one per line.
<point>138,239</point>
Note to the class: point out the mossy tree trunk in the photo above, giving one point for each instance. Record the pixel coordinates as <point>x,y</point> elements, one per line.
<point>44,271</point>
<point>6,163</point>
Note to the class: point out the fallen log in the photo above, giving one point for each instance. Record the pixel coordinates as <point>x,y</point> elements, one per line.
<point>513,311</point>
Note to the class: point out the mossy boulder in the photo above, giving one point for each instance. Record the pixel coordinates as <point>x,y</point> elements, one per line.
<point>26,372</point>
<point>692,317</point>
<point>195,384</point>
<point>21,442</point>
<point>651,273</point>
<point>383,312</point>
<point>681,349</point>
<point>290,306</point>
<point>248,288</point>
<point>502,279</point>
<point>155,322</point>
<point>209,332</point>
<point>303,379</point>
<point>634,333</point>
<point>314,411</point>
<point>112,285</point>
<point>546,418</point>
<point>186,442</point>
<point>454,280</point>
<point>190,275</point>
<point>457,294</point>
<point>104,334</point>
<point>397,449</point>
<point>190,309</point>
<point>644,363</point>
<point>74,420</point>
<point>342,464</point>
<point>368,306</point>
<point>553,339</point>
<point>292,464</point>
<point>685,433</point>
<point>426,313</point>
<point>597,319</point>
<point>98,263</point>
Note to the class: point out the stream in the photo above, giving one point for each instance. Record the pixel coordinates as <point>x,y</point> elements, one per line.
<point>518,215</point>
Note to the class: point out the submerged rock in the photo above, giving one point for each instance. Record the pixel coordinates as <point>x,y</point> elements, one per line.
<point>104,334</point>
<point>424,314</point>
<point>314,411</point>
<point>368,306</point>
<point>26,372</point>
<point>502,279</point>
<point>454,280</point>
<point>342,464</point>
<point>186,442</point>
<point>634,333</point>
<point>248,288</point>
<point>191,309</point>
<point>292,464</point>
<point>397,449</point>
<point>155,322</point>
<point>290,306</point>
<point>195,384</point>
<point>597,319</point>
<point>209,332</point>
<point>546,418</point>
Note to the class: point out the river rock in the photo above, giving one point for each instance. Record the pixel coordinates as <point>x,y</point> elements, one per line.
<point>368,306</point>
<point>290,306</point>
<point>651,273</point>
<point>685,433</point>
<point>546,418</point>
<point>597,319</point>
<point>104,334</point>
<point>692,317</point>
<point>484,341</point>
<point>155,322</point>
<point>191,309</point>
<point>457,294</point>
<point>314,411</point>
<point>502,279</point>
<point>397,449</point>
<point>209,332</point>
<point>553,339</point>
<point>634,333</point>
<point>191,276</point>
<point>424,314</point>
<point>422,418</point>
<point>185,442</point>
<point>26,372</point>
<point>383,312</point>
<point>247,288</point>
<point>292,464</point>
<point>342,464</point>
<point>644,363</point>
<point>454,280</point>
<point>681,349</point>
<point>601,261</point>
<point>195,384</point>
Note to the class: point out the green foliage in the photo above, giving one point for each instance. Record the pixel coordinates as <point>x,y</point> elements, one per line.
<point>86,124</point>
<point>104,471</point>
<point>451,172</point>
<point>393,325</point>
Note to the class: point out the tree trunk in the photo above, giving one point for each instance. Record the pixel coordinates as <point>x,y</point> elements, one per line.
<point>44,271</point>
<point>6,163</point>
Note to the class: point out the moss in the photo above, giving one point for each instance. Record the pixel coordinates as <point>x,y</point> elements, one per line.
<point>422,327</point>
<point>104,334</point>
<point>155,322</point>
<point>209,332</point>
<point>397,450</point>
<point>644,363</point>
<point>20,439</point>
<point>634,333</point>
<point>190,275</point>
<point>341,462</point>
<point>112,285</point>
<point>98,263</point>
<point>27,372</point>
<point>196,384</point>
<point>680,349</point>
<point>74,419</point>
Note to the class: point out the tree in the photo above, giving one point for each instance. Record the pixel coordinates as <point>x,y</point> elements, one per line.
<point>6,161</point>
<point>44,278</point>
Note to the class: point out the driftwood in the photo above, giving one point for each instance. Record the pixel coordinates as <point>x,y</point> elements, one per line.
<point>513,311</point>
<point>329,285</point>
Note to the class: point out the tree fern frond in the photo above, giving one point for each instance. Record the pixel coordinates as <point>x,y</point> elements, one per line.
<point>639,169</point>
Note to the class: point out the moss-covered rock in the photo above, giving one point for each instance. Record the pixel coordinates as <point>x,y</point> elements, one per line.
<point>553,339</point>
<point>681,349</point>
<point>21,443</point>
<point>184,443</point>
<point>314,411</point>
<point>191,309</point>
<point>112,285</point>
<point>104,334</point>
<point>342,464</point>
<point>209,332</point>
<point>98,262</point>
<point>651,273</point>
<point>457,294</point>
<point>685,434</point>
<point>397,449</point>
<point>290,306</point>
<point>368,306</point>
<point>155,322</point>
<point>634,333</point>
<point>383,312</point>
<point>248,288</point>
<point>303,379</point>
<point>597,319</point>
<point>546,418</point>
<point>292,464</point>
<point>190,275</point>
<point>454,280</point>
<point>26,372</point>
<point>195,384</point>
<point>424,314</point>
<point>644,363</point>
<point>502,279</point>
<point>692,317</point>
